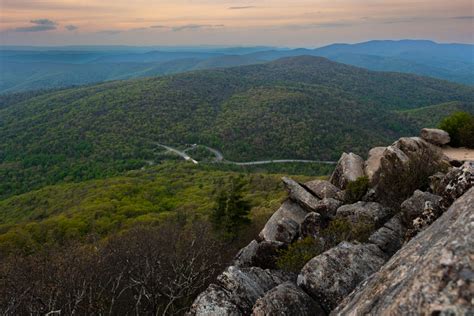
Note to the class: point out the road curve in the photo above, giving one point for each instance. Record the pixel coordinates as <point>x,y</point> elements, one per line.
<point>178,152</point>
<point>219,158</point>
<point>264,162</point>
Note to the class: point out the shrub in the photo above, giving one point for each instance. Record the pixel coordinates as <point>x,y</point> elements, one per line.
<point>460,127</point>
<point>356,189</point>
<point>295,257</point>
<point>342,229</point>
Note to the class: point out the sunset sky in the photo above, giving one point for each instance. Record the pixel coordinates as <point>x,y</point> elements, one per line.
<point>290,23</point>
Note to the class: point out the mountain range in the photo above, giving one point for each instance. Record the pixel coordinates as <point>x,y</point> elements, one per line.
<point>30,68</point>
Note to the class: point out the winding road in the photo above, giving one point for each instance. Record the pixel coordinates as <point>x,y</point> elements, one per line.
<point>178,152</point>
<point>219,158</point>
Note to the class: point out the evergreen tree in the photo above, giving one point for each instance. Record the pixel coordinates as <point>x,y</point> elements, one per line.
<point>231,211</point>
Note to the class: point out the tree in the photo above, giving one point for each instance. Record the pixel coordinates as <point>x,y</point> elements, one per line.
<point>231,211</point>
<point>460,126</point>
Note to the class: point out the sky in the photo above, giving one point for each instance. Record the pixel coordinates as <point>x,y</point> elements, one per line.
<point>288,23</point>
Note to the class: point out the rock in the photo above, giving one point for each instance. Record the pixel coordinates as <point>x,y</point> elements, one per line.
<point>283,226</point>
<point>456,183</point>
<point>372,164</point>
<point>404,167</point>
<point>322,189</point>
<point>300,194</point>
<point>431,275</point>
<point>240,287</point>
<point>421,204</point>
<point>327,207</point>
<point>215,300</point>
<point>287,300</point>
<point>246,255</point>
<point>389,238</point>
<point>435,136</point>
<point>349,168</point>
<point>258,254</point>
<point>312,225</point>
<point>332,275</point>
<point>435,181</point>
<point>372,212</point>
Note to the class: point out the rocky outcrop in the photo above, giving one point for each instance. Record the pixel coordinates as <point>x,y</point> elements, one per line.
<point>322,189</point>
<point>435,136</point>
<point>370,212</point>
<point>287,299</point>
<point>349,168</point>
<point>404,167</point>
<point>431,275</point>
<point>299,194</point>
<point>331,276</point>
<point>236,291</point>
<point>372,164</point>
<point>283,226</point>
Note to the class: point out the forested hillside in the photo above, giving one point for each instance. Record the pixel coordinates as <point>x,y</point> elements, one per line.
<point>59,214</point>
<point>304,107</point>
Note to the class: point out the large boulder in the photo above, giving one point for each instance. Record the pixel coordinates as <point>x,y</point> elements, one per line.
<point>435,136</point>
<point>404,167</point>
<point>300,194</point>
<point>312,225</point>
<point>371,212</point>
<point>390,237</point>
<point>349,168</point>
<point>323,189</point>
<point>327,207</point>
<point>421,205</point>
<point>332,275</point>
<point>431,275</point>
<point>215,300</point>
<point>283,226</point>
<point>372,164</point>
<point>237,287</point>
<point>258,254</point>
<point>287,300</point>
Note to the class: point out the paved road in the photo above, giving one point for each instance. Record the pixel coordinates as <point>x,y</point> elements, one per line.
<point>264,162</point>
<point>219,157</point>
<point>179,152</point>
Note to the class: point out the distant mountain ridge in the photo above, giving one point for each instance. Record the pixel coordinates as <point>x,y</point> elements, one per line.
<point>24,70</point>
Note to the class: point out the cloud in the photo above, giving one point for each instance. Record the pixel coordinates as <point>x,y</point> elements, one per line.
<point>242,8</point>
<point>39,25</point>
<point>194,27</point>
<point>71,27</point>
<point>158,27</point>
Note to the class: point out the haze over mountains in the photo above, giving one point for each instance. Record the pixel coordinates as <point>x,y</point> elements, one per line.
<point>29,68</point>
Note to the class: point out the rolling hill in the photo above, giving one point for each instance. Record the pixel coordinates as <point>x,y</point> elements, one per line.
<point>304,107</point>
